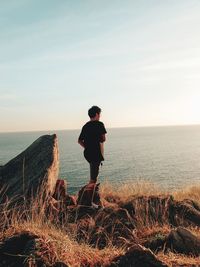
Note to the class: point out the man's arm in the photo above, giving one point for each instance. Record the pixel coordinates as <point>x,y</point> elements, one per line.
<point>81,142</point>
<point>103,138</point>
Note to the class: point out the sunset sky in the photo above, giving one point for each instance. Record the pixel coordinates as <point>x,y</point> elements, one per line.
<point>138,60</point>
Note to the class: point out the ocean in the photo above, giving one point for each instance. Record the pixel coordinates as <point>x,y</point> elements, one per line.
<point>167,156</point>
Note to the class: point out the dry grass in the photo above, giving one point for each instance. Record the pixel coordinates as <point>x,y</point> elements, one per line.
<point>142,188</point>
<point>145,234</point>
<point>125,191</point>
<point>169,258</point>
<point>178,260</point>
<point>191,192</point>
<point>56,243</point>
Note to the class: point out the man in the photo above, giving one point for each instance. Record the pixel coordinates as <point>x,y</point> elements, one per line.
<point>91,138</point>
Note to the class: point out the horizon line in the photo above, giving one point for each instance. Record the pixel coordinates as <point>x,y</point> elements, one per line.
<point>122,127</point>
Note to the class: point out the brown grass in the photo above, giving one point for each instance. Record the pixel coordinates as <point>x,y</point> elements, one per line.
<point>179,260</point>
<point>57,243</point>
<point>124,191</point>
<point>191,192</point>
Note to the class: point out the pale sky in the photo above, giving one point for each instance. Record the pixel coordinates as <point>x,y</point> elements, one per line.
<point>138,60</point>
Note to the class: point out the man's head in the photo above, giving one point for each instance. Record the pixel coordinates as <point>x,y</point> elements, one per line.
<point>94,112</point>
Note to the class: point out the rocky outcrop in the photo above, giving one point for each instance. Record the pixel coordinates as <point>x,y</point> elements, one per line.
<point>156,242</point>
<point>89,195</point>
<point>113,226</point>
<point>24,176</point>
<point>13,247</point>
<point>88,202</point>
<point>108,226</point>
<point>183,241</point>
<point>137,256</point>
<point>147,210</point>
<point>185,212</point>
<point>22,250</point>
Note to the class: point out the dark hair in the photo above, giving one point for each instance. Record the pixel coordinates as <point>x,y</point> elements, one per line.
<point>93,111</point>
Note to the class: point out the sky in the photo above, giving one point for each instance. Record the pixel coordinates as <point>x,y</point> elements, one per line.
<point>138,60</point>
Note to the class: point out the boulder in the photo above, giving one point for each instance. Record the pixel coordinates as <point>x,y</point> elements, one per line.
<point>60,194</point>
<point>183,241</point>
<point>186,212</point>
<point>156,242</point>
<point>22,250</point>
<point>60,264</point>
<point>113,226</point>
<point>84,229</point>
<point>88,202</point>
<point>35,169</point>
<point>137,256</point>
<point>147,210</point>
<point>89,195</point>
<point>107,226</point>
<point>15,250</point>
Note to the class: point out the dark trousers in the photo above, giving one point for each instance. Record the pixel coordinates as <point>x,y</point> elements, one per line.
<point>94,171</point>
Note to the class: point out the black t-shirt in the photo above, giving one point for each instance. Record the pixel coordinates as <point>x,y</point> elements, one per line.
<point>91,135</point>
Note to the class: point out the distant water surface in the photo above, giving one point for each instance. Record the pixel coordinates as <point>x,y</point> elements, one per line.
<point>167,156</point>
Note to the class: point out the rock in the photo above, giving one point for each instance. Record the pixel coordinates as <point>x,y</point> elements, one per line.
<point>38,165</point>
<point>149,209</point>
<point>88,202</point>
<point>60,193</point>
<point>80,212</point>
<point>60,264</point>
<point>57,210</point>
<point>113,226</point>
<point>109,217</point>
<point>70,200</point>
<point>156,243</point>
<point>89,195</point>
<point>185,212</point>
<point>13,251</point>
<point>107,226</point>
<point>183,241</point>
<point>193,203</point>
<point>137,256</point>
<point>84,229</point>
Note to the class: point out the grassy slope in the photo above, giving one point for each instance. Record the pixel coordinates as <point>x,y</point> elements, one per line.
<point>58,244</point>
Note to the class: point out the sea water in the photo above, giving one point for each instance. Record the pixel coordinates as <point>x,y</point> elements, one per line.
<point>167,156</point>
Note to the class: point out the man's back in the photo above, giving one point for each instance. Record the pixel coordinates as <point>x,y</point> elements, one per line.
<point>91,134</point>
<point>91,139</point>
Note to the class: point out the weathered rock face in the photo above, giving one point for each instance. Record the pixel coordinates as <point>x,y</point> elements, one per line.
<point>156,242</point>
<point>185,212</point>
<point>137,256</point>
<point>21,250</point>
<point>147,210</point>
<point>88,195</point>
<point>14,246</point>
<point>24,175</point>
<point>183,241</point>
<point>108,226</point>
<point>113,226</point>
